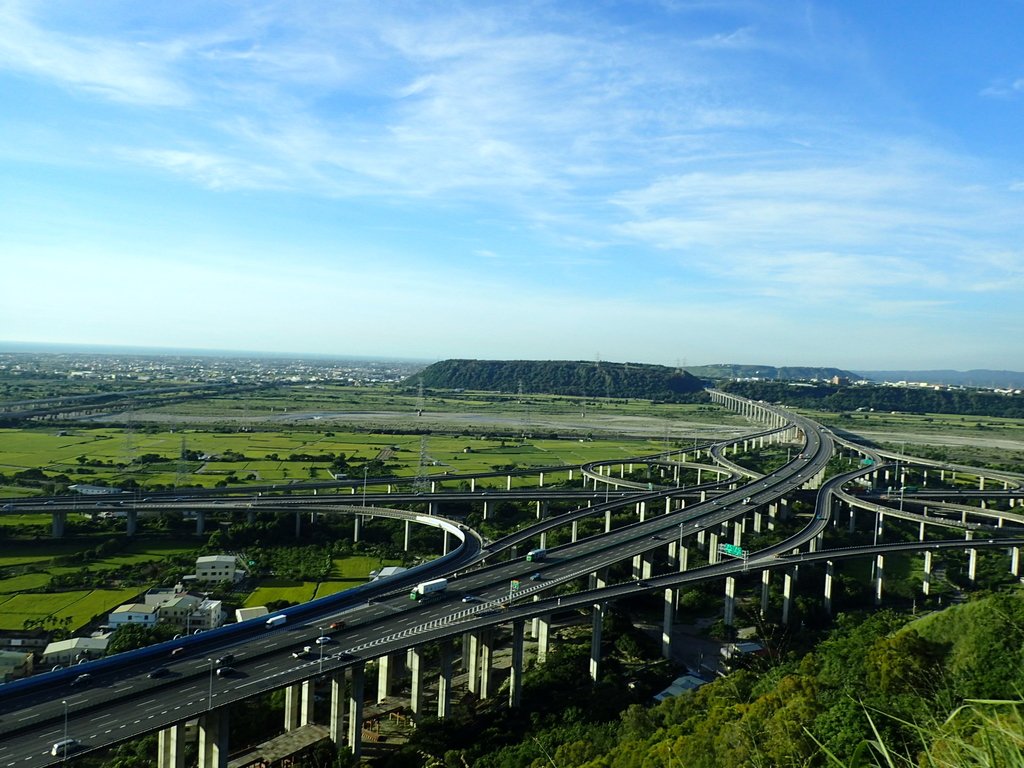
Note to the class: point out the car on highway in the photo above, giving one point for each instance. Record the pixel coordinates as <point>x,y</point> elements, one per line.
<point>536,577</point>
<point>64,747</point>
<point>323,640</point>
<point>302,652</point>
<point>159,672</point>
<point>225,671</point>
<point>338,625</point>
<point>177,651</point>
<point>225,659</point>
<point>472,599</point>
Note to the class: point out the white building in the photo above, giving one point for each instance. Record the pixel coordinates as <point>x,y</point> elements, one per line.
<point>215,568</point>
<point>15,664</point>
<point>243,614</point>
<point>73,650</point>
<point>133,613</point>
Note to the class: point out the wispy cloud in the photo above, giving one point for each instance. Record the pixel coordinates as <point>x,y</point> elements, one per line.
<point>133,72</point>
<point>1004,89</point>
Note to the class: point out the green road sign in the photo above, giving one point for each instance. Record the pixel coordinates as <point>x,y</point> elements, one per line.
<point>732,549</point>
<point>515,584</point>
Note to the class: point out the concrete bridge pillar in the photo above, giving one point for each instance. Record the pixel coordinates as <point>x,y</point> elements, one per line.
<point>355,708</point>
<point>829,573</point>
<point>213,738</point>
<point>171,747</point>
<point>486,662</point>
<point>385,676</point>
<point>59,524</point>
<point>133,522</point>
<point>250,516</point>
<point>972,565</point>
<point>444,681</point>
<point>1015,561</point>
<point>701,540</point>
<point>434,508</point>
<point>607,520</point>
<point>473,658</point>
<point>730,601</point>
<point>406,535</point>
<point>668,616</point>
<point>574,536</point>
<point>766,577</point>
<point>787,596</point>
<point>926,579</point>
<point>713,556</point>
<point>200,522</point>
<point>879,578</point>
<point>758,520</point>
<point>337,714</point>
<point>508,482</point>
<point>357,527</point>
<point>543,632</point>
<point>515,678</point>
<point>540,480</point>
<point>596,626</point>
<point>416,695</point>
<point>773,513</point>
<point>487,508</point>
<point>298,523</point>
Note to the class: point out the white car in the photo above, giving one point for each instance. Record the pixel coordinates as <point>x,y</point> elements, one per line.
<point>323,640</point>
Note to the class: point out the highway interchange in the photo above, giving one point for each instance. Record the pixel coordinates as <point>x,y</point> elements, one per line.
<point>121,701</point>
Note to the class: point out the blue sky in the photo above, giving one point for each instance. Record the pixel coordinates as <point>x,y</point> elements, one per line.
<point>787,183</point>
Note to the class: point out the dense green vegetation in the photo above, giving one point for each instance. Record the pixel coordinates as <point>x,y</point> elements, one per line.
<point>872,679</point>
<point>558,377</point>
<point>971,402</point>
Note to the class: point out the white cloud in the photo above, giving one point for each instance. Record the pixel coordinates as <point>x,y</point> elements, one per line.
<point>121,71</point>
<point>1004,89</point>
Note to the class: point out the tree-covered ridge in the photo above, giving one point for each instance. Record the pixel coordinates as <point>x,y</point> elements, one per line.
<point>873,679</point>
<point>907,399</point>
<point>782,373</point>
<point>562,377</point>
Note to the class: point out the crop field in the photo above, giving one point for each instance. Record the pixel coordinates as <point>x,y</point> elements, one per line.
<point>80,606</point>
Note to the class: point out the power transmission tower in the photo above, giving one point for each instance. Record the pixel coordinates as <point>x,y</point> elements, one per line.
<point>421,483</point>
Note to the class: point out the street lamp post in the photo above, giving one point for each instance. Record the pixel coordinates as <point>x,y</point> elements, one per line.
<point>65,742</point>
<point>320,640</point>
<point>209,698</point>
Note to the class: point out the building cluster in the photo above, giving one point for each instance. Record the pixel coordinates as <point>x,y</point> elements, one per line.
<point>203,368</point>
<point>184,607</point>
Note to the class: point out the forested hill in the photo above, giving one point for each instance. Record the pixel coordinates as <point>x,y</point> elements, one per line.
<point>784,373</point>
<point>563,377</point>
<point>906,399</point>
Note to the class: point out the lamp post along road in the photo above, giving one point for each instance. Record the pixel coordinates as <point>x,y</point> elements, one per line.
<point>64,757</point>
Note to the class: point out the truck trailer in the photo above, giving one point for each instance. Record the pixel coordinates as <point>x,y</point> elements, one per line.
<point>276,621</point>
<point>427,588</point>
<point>536,555</point>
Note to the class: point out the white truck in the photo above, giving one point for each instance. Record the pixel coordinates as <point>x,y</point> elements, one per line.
<point>276,621</point>
<point>428,588</point>
<point>536,555</point>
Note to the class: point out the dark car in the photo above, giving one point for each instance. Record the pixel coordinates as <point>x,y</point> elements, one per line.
<point>82,679</point>
<point>225,671</point>
<point>159,672</point>
<point>227,658</point>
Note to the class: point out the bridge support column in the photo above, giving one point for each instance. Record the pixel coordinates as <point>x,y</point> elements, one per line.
<point>213,738</point>
<point>730,601</point>
<point>713,556</point>
<point>357,527</point>
<point>291,707</point>
<point>701,540</point>
<point>853,518</point>
<point>758,520</point>
<point>250,516</point>
<point>972,565</point>
<point>416,694</point>
<point>133,522</point>
<point>355,708</point>
<point>926,579</point>
<point>486,663</point>
<point>471,646</point>
<point>385,676</point>
<point>829,574</point>
<point>406,534</point>
<point>766,578</point>
<point>596,626</point>
<point>1015,561</point>
<point>444,682</point>
<point>487,509</point>
<point>59,524</point>
<point>607,520</point>
<point>668,616</point>
<point>337,716</point>
<point>446,544</point>
<point>787,596</point>
<point>508,483</point>
<point>773,513</point>
<point>433,508</point>
<point>200,522</point>
<point>515,674</point>
<point>171,747</point>
<point>879,578</point>
<point>298,524</point>
<point>543,632</point>
<point>575,531</point>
